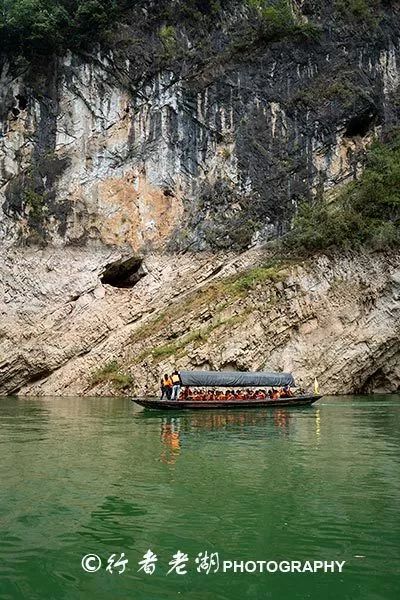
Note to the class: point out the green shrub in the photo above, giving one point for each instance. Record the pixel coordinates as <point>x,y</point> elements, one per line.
<point>36,204</point>
<point>253,277</point>
<point>341,88</point>
<point>165,350</point>
<point>366,213</point>
<point>49,25</point>
<point>277,20</point>
<point>197,337</point>
<point>168,38</point>
<point>111,373</point>
<point>359,10</point>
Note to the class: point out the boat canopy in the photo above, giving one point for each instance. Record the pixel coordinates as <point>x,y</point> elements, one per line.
<point>235,379</point>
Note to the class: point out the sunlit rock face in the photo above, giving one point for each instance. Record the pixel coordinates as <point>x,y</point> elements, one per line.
<point>101,163</point>
<point>71,173</point>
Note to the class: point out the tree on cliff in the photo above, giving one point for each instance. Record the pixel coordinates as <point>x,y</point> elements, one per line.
<point>48,25</point>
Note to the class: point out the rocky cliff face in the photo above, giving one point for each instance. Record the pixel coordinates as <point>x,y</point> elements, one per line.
<point>125,187</point>
<point>337,319</point>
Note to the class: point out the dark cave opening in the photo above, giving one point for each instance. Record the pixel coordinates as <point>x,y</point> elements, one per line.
<point>379,382</point>
<point>124,273</point>
<point>22,101</point>
<point>361,124</point>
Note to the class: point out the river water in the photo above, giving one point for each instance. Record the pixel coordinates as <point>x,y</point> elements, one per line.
<point>100,476</point>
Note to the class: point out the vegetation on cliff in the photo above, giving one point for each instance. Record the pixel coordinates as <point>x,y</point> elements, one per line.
<point>365,213</point>
<point>240,54</point>
<point>112,374</point>
<point>49,25</point>
<point>41,26</point>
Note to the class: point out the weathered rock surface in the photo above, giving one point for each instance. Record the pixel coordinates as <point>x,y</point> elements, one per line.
<point>337,319</point>
<point>213,147</point>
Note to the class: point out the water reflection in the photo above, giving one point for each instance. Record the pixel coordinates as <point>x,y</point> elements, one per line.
<point>215,420</point>
<point>175,430</point>
<point>170,438</point>
<point>281,419</point>
<point>318,424</point>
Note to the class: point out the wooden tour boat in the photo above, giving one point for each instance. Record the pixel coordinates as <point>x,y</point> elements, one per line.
<point>230,380</point>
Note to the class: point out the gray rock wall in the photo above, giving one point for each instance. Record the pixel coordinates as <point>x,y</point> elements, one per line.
<point>213,152</point>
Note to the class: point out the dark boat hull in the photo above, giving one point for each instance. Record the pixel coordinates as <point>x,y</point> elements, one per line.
<point>155,404</point>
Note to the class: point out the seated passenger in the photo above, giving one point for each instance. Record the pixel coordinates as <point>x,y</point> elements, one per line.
<point>260,395</point>
<point>287,392</point>
<point>275,394</point>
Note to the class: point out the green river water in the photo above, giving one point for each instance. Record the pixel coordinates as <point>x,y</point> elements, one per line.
<point>100,476</point>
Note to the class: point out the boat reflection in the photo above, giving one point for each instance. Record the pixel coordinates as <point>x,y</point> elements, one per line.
<point>281,419</point>
<point>174,430</point>
<point>213,421</point>
<point>170,439</point>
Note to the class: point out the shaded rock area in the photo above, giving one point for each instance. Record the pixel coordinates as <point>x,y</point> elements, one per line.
<point>124,273</point>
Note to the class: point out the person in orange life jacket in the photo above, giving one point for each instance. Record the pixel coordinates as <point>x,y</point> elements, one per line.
<point>166,387</point>
<point>176,385</point>
<point>287,392</point>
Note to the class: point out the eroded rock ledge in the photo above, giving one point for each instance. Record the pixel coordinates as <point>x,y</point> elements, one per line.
<point>64,332</point>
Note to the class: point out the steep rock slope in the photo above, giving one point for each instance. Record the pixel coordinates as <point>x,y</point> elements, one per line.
<point>334,318</point>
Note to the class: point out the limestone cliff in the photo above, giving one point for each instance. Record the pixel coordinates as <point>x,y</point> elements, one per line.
<point>337,319</point>
<point>139,182</point>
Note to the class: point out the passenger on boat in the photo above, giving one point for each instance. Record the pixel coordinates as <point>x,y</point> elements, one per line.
<point>274,394</point>
<point>166,387</point>
<point>287,392</point>
<point>260,395</point>
<point>176,385</point>
<point>186,393</point>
